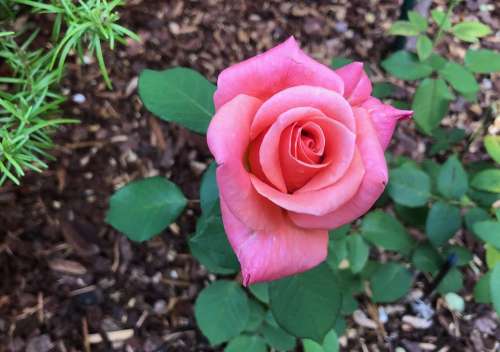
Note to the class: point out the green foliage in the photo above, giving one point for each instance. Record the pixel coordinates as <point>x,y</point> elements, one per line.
<point>144,208</point>
<point>424,47</point>
<point>487,180</point>
<point>222,311</point>
<point>209,192</point>
<point>482,289</point>
<point>409,186</point>
<point>443,222</point>
<point>406,66</point>
<point>470,31</point>
<point>179,95</point>
<point>482,61</point>
<point>393,276</point>
<point>358,252</point>
<point>313,291</point>
<point>330,344</point>
<point>452,180</point>
<point>29,103</point>
<point>452,282</point>
<point>495,287</point>
<point>246,343</point>
<point>492,145</point>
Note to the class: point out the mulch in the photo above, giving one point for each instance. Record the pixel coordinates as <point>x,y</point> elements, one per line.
<point>67,277</point>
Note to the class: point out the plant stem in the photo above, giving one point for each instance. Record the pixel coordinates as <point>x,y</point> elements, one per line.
<point>446,18</point>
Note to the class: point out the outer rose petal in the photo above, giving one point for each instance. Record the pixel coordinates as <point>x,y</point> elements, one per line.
<point>371,188</point>
<point>318,202</point>
<point>269,255</point>
<point>330,103</point>
<point>228,139</point>
<point>283,66</point>
<point>384,118</point>
<point>357,85</point>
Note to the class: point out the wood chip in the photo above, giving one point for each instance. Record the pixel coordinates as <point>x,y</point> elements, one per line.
<point>362,320</point>
<point>67,267</point>
<point>113,336</point>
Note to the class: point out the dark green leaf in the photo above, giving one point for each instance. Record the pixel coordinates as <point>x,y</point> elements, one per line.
<point>340,232</point>
<point>442,223</point>
<point>482,289</point>
<point>405,65</point>
<point>488,231</point>
<point>209,192</point>
<point>179,95</point>
<point>452,282</point>
<point>393,276</point>
<point>492,256</point>
<point>222,311</point>
<point>482,61</point>
<point>210,245</point>
<point>337,251</point>
<point>330,344</point>
<point>460,78</point>
<point>257,315</point>
<point>430,103</point>
<point>470,31</point>
<point>261,291</point>
<point>444,139</point>
<point>464,256</point>
<point>409,186</point>
<point>338,62</point>
<point>436,61</point>
<point>383,90</point>
<point>275,336</point>
<point>452,179</point>
<point>495,287</point>
<point>426,258</point>
<point>349,304</point>
<point>482,198</point>
<point>385,231</point>
<point>487,180</point>
<point>358,252</point>
<point>424,47</point>
<point>146,207</point>
<point>316,300</point>
<point>246,343</point>
<point>412,216</point>
<point>474,215</point>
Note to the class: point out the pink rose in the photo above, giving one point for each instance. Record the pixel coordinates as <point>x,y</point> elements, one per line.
<point>300,150</point>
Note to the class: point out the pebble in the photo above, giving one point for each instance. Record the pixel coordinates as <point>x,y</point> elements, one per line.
<point>416,322</point>
<point>454,302</point>
<point>79,98</point>
<point>362,320</point>
<point>40,343</point>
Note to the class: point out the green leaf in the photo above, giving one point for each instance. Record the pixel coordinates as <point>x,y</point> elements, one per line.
<point>442,223</point>
<point>412,216</point>
<point>256,317</point>
<point>444,139</point>
<point>487,180</point>
<point>261,291</point>
<point>178,95</point>
<point>409,186</point>
<point>209,192</point>
<point>393,276</point>
<point>492,256</point>
<point>452,179</point>
<point>475,215</point>
<point>495,287</point>
<point>464,256</point>
<point>460,78</point>
<point>337,251</point>
<point>424,47</point>
<point>316,300</point>
<point>210,245</point>
<point>330,344</point>
<point>430,103</point>
<point>482,61</point>
<point>338,62</point>
<point>222,311</point>
<point>246,343</point>
<point>419,21</point>
<point>482,289</point>
<point>441,19</point>
<point>275,336</point>
<point>382,90</point>
<point>349,304</point>
<point>358,252</point>
<point>405,65</point>
<point>404,28</point>
<point>452,282</point>
<point>340,232</point>
<point>482,198</point>
<point>144,208</point>
<point>488,231</point>
<point>436,61</point>
<point>426,258</point>
<point>492,145</point>
<point>385,231</point>
<point>470,31</point>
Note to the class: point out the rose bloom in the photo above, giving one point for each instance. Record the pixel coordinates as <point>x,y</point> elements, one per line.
<point>300,150</point>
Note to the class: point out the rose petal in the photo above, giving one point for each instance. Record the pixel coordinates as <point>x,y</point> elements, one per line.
<point>283,66</point>
<point>269,150</point>
<point>330,103</point>
<point>384,118</point>
<point>270,255</point>
<point>371,188</point>
<point>228,139</point>
<point>357,85</point>
<point>318,202</point>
